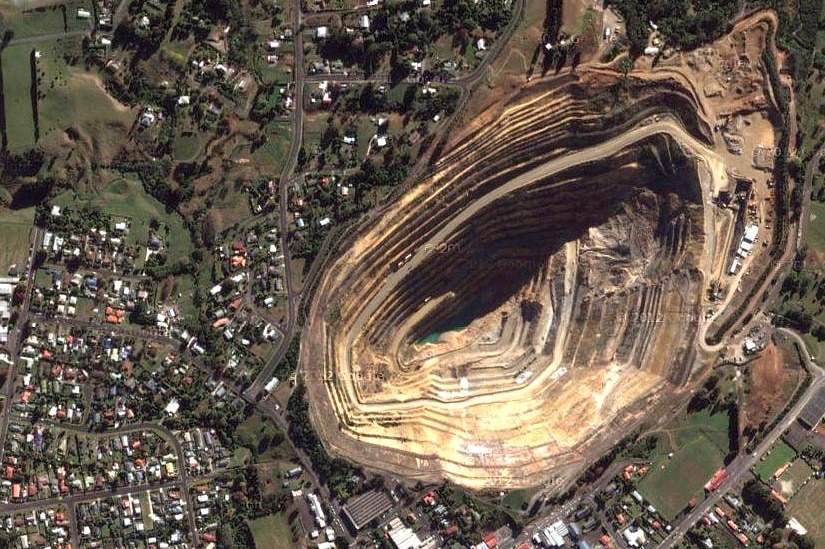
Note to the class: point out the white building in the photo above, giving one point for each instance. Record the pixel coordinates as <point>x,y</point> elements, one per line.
<point>748,240</point>
<point>634,536</point>
<point>270,386</point>
<point>317,510</point>
<point>401,536</point>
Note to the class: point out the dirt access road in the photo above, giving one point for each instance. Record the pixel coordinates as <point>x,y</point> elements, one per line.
<point>665,126</point>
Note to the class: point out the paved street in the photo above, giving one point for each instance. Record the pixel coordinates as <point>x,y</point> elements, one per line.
<point>738,469</point>
<point>740,466</point>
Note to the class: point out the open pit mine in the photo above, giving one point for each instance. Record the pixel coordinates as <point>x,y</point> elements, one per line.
<point>544,289</point>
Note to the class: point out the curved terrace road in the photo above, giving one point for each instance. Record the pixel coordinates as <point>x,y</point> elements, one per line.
<point>611,147</point>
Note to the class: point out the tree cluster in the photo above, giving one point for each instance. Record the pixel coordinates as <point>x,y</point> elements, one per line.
<point>399,37</point>
<point>684,23</point>
<point>758,496</point>
<point>336,473</point>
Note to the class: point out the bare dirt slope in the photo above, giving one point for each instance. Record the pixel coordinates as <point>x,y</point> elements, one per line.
<point>543,290</point>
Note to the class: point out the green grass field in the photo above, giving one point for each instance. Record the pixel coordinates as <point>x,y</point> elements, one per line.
<point>272,155</point>
<point>699,443</point>
<point>187,146</point>
<point>808,507</point>
<point>272,532</point>
<point>671,488</point>
<point>45,20</point>
<point>240,457</point>
<point>15,226</point>
<point>780,454</point>
<point>275,74</point>
<point>252,431</point>
<point>712,426</point>
<point>816,228</point>
<point>17,79</point>
<point>517,500</point>
<point>68,94</point>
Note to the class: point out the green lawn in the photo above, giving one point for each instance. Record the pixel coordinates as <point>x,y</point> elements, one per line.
<point>713,426</point>
<point>42,278</point>
<point>275,74</point>
<point>671,483</point>
<point>366,129</point>
<point>699,443</point>
<point>26,23</point>
<point>272,155</point>
<point>67,96</point>
<point>816,228</point>
<point>17,96</point>
<point>187,146</point>
<point>15,226</point>
<point>779,455</point>
<point>255,429</point>
<point>240,456</point>
<point>272,532</point>
<point>315,123</point>
<point>517,500</point>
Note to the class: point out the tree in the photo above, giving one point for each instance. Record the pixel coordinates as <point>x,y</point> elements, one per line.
<point>803,542</point>
<point>759,498</point>
<point>302,158</point>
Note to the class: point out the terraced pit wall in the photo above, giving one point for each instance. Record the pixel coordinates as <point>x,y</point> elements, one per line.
<point>380,392</point>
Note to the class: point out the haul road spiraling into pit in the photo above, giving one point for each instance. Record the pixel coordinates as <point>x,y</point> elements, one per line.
<point>533,299</point>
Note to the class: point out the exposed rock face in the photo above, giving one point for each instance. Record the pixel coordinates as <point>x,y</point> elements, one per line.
<point>524,306</point>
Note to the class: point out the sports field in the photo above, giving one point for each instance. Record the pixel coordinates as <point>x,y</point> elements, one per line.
<point>699,443</point>
<point>779,455</point>
<point>671,483</point>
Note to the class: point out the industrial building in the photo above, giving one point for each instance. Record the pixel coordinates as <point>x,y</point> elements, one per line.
<point>748,240</point>
<point>361,510</point>
<point>317,510</point>
<point>402,537</point>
